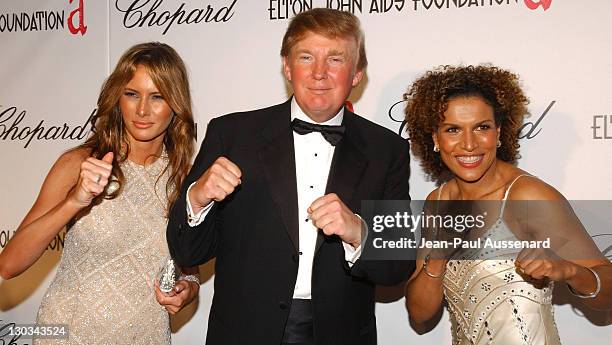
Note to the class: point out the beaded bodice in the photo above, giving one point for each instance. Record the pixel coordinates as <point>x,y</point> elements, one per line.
<point>103,289</point>
<point>489,302</point>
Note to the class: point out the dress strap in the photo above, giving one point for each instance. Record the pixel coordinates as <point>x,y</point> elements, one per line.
<point>440,190</point>
<point>501,212</point>
<point>439,196</point>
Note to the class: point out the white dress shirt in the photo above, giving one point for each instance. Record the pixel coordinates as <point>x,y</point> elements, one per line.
<point>313,157</point>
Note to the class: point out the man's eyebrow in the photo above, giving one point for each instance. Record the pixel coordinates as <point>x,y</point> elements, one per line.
<point>302,50</point>
<point>336,52</point>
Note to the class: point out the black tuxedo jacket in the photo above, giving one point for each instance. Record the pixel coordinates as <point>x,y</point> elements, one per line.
<point>254,232</point>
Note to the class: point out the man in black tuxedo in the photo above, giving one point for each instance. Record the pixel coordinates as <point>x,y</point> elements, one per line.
<point>273,195</point>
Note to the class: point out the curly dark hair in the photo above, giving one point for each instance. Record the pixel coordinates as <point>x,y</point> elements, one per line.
<point>427,100</point>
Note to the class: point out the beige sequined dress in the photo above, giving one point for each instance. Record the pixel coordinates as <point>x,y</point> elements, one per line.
<point>103,289</point>
<point>490,303</point>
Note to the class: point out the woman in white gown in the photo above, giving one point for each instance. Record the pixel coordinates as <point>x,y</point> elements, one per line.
<point>464,124</point>
<point>113,194</point>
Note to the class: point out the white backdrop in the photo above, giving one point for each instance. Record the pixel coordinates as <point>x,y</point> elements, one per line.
<point>52,70</point>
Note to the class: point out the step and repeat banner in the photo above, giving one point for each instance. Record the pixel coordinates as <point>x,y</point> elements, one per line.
<point>55,54</point>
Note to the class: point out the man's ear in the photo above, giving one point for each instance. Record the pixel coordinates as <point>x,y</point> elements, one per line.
<point>357,77</point>
<point>286,68</point>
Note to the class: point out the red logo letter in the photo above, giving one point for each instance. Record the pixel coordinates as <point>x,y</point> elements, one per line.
<point>82,28</point>
<point>535,4</point>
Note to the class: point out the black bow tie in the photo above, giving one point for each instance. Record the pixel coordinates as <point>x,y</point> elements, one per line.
<point>333,134</point>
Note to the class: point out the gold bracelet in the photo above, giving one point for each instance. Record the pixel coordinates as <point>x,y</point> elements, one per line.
<point>427,272</point>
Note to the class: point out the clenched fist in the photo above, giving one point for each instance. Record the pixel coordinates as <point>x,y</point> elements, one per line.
<point>331,215</point>
<point>540,263</point>
<point>217,182</point>
<point>93,178</point>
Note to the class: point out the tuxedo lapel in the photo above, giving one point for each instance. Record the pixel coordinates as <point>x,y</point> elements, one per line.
<point>348,165</point>
<point>277,156</point>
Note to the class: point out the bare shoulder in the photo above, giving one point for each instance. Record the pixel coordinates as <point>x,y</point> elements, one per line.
<point>73,157</point>
<point>62,177</point>
<point>532,188</point>
<point>67,167</point>
<point>433,195</point>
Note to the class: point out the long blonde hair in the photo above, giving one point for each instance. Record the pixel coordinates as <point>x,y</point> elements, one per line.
<point>168,72</point>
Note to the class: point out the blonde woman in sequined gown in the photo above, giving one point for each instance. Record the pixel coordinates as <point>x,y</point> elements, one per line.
<point>464,124</point>
<point>113,193</point>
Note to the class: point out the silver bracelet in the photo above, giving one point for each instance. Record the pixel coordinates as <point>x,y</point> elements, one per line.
<point>589,295</point>
<point>427,272</point>
<point>191,278</point>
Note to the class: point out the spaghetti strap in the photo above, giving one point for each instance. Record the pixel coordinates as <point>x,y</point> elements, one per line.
<point>439,196</point>
<point>501,211</point>
<point>440,190</point>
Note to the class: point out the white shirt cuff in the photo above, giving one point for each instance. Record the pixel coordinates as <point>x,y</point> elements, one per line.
<point>196,219</point>
<point>352,254</point>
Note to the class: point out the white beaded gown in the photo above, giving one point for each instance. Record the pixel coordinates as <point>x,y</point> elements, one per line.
<point>104,285</point>
<point>490,303</point>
